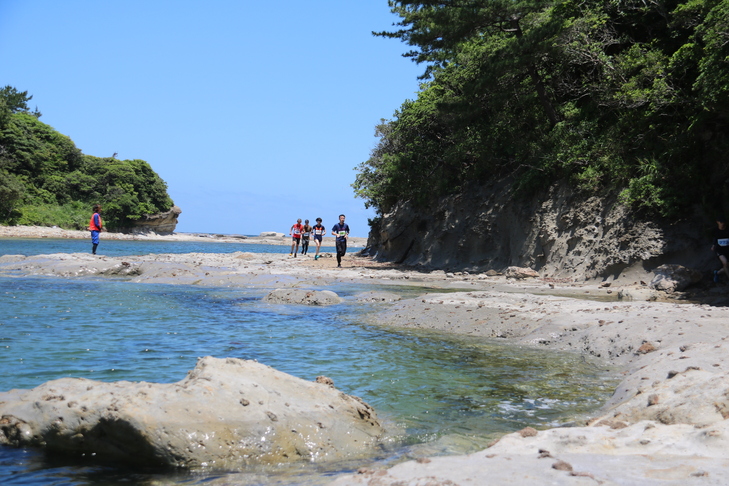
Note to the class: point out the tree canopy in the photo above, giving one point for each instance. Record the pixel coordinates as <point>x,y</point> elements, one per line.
<point>629,95</point>
<point>46,180</point>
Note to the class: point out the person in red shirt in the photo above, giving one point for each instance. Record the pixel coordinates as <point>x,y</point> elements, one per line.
<point>295,232</point>
<point>95,226</point>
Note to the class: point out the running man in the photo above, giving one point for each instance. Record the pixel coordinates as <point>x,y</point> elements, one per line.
<point>341,231</point>
<point>95,225</point>
<point>295,232</point>
<point>319,232</point>
<point>305,238</point>
<point>721,247</point>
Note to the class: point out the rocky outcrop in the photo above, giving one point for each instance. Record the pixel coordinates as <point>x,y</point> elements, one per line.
<point>225,413</point>
<point>646,454</point>
<point>160,223</point>
<point>556,232</point>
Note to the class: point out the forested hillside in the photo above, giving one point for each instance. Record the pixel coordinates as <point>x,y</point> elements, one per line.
<point>628,97</point>
<point>45,180</point>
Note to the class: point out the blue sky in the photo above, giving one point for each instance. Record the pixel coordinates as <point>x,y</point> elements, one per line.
<point>255,113</point>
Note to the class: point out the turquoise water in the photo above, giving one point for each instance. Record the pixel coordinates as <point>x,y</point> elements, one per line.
<point>445,394</point>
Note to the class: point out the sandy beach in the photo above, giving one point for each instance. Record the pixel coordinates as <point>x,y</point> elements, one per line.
<point>665,423</point>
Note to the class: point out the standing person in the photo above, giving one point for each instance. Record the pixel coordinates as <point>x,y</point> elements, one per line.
<point>319,232</point>
<point>295,231</point>
<point>95,225</point>
<point>721,246</point>
<point>305,238</point>
<point>341,231</point>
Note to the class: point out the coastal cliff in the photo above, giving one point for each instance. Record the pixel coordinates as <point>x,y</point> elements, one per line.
<point>550,140</point>
<point>557,232</point>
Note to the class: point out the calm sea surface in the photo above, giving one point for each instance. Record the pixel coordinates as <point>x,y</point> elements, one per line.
<point>446,394</point>
<point>41,246</point>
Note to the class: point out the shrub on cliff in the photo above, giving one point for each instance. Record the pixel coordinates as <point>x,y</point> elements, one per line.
<point>45,180</point>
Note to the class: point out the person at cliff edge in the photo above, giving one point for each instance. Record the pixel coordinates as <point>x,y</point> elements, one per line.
<point>721,246</point>
<point>341,231</point>
<point>295,232</point>
<point>95,225</point>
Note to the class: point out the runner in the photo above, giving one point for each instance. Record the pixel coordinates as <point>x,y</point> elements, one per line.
<point>295,231</point>
<point>305,238</point>
<point>341,231</point>
<point>721,247</point>
<point>319,232</point>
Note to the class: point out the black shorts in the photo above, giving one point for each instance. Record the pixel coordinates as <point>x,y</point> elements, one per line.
<point>341,247</point>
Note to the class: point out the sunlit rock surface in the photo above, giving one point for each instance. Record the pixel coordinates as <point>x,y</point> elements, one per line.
<point>225,413</point>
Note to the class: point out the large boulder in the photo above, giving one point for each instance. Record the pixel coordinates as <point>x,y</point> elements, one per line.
<point>225,413</point>
<point>674,278</point>
<point>520,273</point>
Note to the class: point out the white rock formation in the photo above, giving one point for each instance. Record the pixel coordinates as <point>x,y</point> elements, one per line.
<point>225,413</point>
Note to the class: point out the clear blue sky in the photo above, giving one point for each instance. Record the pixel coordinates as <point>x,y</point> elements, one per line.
<point>255,113</point>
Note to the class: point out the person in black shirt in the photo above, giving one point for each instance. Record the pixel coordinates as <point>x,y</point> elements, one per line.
<point>319,232</point>
<point>721,247</point>
<point>341,231</point>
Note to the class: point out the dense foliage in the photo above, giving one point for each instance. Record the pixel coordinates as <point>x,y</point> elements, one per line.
<point>46,180</point>
<point>629,95</point>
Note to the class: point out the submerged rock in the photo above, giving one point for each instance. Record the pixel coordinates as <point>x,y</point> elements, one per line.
<point>225,413</point>
<point>378,296</point>
<point>300,296</point>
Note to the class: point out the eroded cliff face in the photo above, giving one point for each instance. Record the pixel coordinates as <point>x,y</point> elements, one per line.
<point>557,232</point>
<point>160,223</point>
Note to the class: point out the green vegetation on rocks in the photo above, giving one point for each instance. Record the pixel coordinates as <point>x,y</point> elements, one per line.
<point>629,97</point>
<point>45,180</point>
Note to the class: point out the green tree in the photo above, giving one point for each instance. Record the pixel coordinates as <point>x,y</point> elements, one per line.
<point>444,31</point>
<point>46,180</point>
<point>14,101</point>
<point>627,96</point>
<point>11,193</point>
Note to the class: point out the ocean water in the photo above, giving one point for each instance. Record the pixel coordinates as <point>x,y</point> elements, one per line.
<point>41,246</point>
<point>442,394</point>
